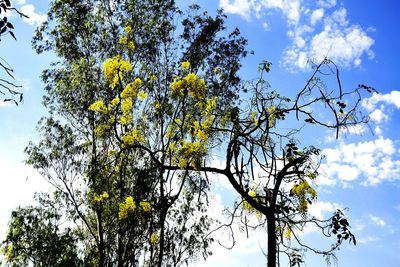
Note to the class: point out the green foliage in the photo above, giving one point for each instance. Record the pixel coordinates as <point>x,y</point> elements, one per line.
<point>36,235</point>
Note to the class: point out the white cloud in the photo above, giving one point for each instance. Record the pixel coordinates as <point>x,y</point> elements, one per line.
<point>367,239</point>
<point>392,98</point>
<point>380,107</point>
<point>378,221</point>
<point>313,34</point>
<point>245,8</point>
<point>316,16</point>
<point>321,209</point>
<point>378,116</point>
<point>34,18</point>
<point>357,129</point>
<point>240,7</point>
<point>327,3</point>
<point>375,160</point>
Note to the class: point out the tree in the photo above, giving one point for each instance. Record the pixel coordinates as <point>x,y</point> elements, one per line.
<point>128,211</point>
<point>6,27</point>
<point>138,104</point>
<point>36,231</point>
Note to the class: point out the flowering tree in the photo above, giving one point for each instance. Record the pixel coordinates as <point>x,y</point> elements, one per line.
<point>110,103</point>
<point>138,104</point>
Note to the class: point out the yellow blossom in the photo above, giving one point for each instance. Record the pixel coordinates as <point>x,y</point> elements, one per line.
<point>197,87</point>
<point>303,191</point>
<point>126,119</point>
<point>126,105</point>
<point>185,65</point>
<point>142,95</point>
<point>114,68</point>
<point>131,45</point>
<point>193,153</point>
<point>145,205</point>
<point>99,106</point>
<point>288,233</point>
<point>154,238</point>
<point>123,40</point>
<point>133,137</point>
<point>101,130</point>
<point>192,83</point>
<point>100,198</point>
<point>211,105</point>
<point>128,29</point>
<point>126,208</point>
<point>129,91</point>
<point>114,102</point>
<point>177,87</point>
<point>271,116</point>
<point>158,106</point>
<point>247,205</point>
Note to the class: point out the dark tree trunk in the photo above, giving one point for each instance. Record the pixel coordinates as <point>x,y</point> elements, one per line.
<point>271,225</point>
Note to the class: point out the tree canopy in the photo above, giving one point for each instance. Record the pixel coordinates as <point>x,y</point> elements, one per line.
<point>140,98</point>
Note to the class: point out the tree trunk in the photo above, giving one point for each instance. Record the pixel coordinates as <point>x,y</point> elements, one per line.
<point>101,239</point>
<point>271,229</point>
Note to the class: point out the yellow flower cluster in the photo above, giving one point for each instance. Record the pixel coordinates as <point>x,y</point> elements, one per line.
<point>191,153</point>
<point>145,205</point>
<point>185,65</point>
<point>246,205</point>
<point>271,116</point>
<point>202,130</point>
<point>128,29</point>
<point>126,208</point>
<point>192,83</point>
<point>302,191</point>
<point>128,96</point>
<point>124,40</point>
<point>114,68</point>
<point>100,198</point>
<point>153,238</point>
<point>99,107</point>
<point>114,102</point>
<point>211,105</point>
<point>142,95</point>
<point>101,129</point>
<point>133,137</point>
<point>288,233</point>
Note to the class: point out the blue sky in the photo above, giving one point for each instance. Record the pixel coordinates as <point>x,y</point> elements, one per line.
<point>362,169</point>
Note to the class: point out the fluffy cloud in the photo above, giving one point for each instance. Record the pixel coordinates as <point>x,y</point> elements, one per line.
<point>343,43</point>
<point>315,32</point>
<point>375,160</point>
<point>377,221</point>
<point>34,17</point>
<point>316,16</point>
<point>380,107</point>
<point>240,7</point>
<point>392,98</point>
